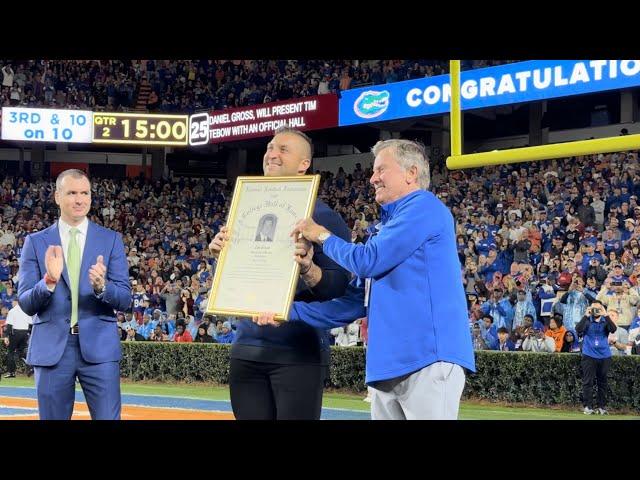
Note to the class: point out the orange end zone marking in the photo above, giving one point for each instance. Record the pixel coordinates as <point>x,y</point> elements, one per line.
<point>129,412</point>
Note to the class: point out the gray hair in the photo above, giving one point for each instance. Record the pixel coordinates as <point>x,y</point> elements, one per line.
<point>408,154</point>
<point>72,172</point>
<point>304,136</point>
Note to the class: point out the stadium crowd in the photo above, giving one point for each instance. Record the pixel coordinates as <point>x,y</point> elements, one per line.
<point>537,242</point>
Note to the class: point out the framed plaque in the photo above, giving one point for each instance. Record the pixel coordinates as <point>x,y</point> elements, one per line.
<point>256,271</point>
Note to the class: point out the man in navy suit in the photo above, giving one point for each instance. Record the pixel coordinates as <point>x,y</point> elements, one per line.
<point>72,277</point>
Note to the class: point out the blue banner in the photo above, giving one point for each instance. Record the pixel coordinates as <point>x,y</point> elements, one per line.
<point>486,87</point>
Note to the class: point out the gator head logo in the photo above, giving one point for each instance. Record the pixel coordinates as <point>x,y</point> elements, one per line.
<point>371,104</point>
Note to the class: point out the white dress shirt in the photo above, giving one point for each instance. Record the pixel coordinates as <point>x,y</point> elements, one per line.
<point>65,237</point>
<point>18,319</point>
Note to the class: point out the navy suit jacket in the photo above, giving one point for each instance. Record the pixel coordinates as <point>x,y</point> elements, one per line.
<point>99,340</point>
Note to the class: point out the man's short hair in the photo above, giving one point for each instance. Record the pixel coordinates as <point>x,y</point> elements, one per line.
<point>72,172</point>
<point>302,135</point>
<point>408,154</point>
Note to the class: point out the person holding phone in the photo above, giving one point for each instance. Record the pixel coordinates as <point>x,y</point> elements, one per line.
<point>594,328</point>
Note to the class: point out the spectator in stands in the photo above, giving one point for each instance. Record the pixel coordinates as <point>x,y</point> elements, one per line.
<point>346,336</point>
<point>158,335</point>
<point>225,334</point>
<point>147,327</point>
<point>476,338</point>
<point>556,331</point>
<point>489,332</point>
<point>203,336</point>
<point>132,335</point>
<point>570,343</point>
<point>504,343</point>
<point>536,341</point>
<point>182,335</point>
<point>620,338</point>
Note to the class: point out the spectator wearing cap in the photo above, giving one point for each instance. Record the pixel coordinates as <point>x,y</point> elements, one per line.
<point>617,295</point>
<point>629,227</point>
<point>596,270</point>
<point>591,288</point>
<point>476,338</point>
<point>132,335</point>
<point>500,309</point>
<point>587,254</point>
<point>617,273</point>
<point>536,341</point>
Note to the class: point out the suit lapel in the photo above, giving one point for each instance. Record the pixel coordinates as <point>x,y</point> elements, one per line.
<point>53,238</point>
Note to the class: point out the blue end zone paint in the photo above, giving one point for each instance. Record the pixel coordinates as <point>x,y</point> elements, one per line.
<point>185,403</point>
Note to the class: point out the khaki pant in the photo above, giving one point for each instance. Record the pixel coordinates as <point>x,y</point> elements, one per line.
<point>432,393</point>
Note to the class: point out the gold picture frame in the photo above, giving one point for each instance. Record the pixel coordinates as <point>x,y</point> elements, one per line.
<point>256,270</point>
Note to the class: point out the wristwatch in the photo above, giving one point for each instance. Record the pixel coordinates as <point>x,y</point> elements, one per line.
<point>323,236</point>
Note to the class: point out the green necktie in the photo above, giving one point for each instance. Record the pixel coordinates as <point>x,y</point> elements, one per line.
<point>73,268</point>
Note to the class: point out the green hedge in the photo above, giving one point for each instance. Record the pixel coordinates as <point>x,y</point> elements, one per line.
<point>549,379</point>
<point>520,377</point>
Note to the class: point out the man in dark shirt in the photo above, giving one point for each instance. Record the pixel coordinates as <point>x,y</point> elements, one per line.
<point>279,373</point>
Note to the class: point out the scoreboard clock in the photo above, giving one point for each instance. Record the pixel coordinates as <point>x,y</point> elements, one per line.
<point>140,128</point>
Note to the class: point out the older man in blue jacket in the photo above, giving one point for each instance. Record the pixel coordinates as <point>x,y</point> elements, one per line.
<point>409,284</point>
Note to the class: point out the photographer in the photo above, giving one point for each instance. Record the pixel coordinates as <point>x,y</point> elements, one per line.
<point>594,328</point>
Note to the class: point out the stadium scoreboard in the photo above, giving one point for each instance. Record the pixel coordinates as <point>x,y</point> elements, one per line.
<point>140,129</point>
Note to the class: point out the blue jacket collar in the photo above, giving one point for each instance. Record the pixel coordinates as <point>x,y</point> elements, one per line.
<point>386,211</point>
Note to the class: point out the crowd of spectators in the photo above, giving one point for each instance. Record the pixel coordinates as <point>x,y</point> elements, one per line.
<point>187,86</point>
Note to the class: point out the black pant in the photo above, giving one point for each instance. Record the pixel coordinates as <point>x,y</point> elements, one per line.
<point>18,343</point>
<point>269,391</point>
<point>594,369</point>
